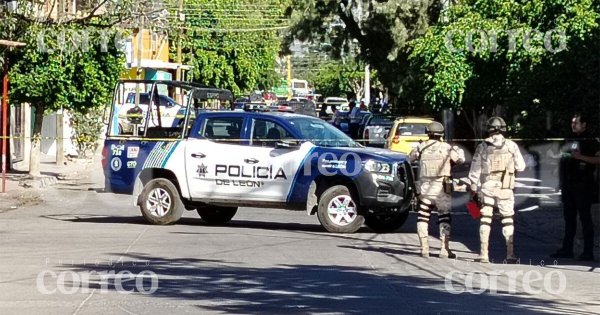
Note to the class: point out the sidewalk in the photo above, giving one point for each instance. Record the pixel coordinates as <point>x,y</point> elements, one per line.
<point>22,189</point>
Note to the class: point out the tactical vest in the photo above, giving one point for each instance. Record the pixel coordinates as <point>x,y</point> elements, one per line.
<point>499,165</point>
<point>434,161</point>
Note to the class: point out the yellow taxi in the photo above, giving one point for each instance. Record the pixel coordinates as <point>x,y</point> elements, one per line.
<point>406,133</point>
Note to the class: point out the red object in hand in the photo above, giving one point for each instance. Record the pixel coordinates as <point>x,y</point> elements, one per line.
<point>473,209</point>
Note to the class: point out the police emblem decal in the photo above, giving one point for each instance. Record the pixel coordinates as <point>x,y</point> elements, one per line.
<point>202,170</point>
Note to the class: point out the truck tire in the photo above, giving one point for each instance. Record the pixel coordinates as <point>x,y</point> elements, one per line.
<point>385,223</point>
<point>338,210</point>
<point>215,215</point>
<point>160,202</point>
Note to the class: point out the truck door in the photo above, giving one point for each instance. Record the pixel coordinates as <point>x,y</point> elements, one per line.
<point>271,170</point>
<point>214,159</point>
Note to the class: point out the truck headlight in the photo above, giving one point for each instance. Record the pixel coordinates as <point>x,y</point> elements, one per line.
<point>378,167</point>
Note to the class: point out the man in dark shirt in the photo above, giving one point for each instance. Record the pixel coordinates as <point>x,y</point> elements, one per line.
<point>577,166</point>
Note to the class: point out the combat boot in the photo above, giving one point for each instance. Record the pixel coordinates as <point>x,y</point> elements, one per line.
<point>423,235</point>
<point>445,251</point>
<point>510,251</point>
<point>484,236</point>
<point>483,253</point>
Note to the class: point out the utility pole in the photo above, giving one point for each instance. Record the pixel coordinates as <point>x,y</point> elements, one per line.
<point>5,134</point>
<point>178,75</point>
<point>367,85</point>
<point>289,77</point>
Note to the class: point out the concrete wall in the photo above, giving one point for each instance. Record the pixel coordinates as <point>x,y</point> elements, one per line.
<point>49,135</point>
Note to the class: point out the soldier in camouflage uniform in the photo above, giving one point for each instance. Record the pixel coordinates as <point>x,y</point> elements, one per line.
<point>492,177</point>
<point>434,186</point>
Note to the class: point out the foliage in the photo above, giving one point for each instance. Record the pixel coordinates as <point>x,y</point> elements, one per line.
<point>342,79</point>
<point>55,70</point>
<point>86,130</point>
<point>381,29</point>
<point>519,81</point>
<point>232,44</point>
<point>74,79</point>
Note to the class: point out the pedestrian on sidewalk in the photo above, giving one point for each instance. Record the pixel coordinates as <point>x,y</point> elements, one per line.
<point>580,155</point>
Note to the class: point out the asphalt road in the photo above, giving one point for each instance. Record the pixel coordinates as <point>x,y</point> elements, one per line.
<point>83,252</point>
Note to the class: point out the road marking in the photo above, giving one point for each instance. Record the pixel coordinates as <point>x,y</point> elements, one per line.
<point>83,302</point>
<point>529,209</point>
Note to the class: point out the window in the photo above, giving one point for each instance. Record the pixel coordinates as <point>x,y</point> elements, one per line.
<point>266,133</point>
<point>407,129</point>
<point>321,133</point>
<point>226,130</point>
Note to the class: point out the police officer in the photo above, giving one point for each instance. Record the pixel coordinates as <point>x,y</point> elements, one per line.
<point>492,177</point>
<point>434,187</point>
<point>577,165</point>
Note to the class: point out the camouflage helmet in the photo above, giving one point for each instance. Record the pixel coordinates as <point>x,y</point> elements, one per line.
<point>435,128</point>
<point>496,124</point>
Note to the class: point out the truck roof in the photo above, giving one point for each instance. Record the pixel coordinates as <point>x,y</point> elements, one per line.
<point>277,114</point>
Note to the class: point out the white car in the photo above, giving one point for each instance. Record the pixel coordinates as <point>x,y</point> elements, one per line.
<point>128,117</point>
<point>339,102</point>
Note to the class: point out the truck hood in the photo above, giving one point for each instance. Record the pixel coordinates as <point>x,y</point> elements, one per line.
<point>378,154</point>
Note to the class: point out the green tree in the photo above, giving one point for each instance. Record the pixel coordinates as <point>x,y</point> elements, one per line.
<point>74,78</point>
<point>380,29</point>
<point>519,76</point>
<point>232,44</point>
<point>56,69</point>
<point>346,79</point>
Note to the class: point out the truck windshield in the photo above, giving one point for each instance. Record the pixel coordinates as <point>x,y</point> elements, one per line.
<point>321,133</point>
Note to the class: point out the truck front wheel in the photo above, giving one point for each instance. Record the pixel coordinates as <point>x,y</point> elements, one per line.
<point>215,215</point>
<point>338,210</point>
<point>160,202</point>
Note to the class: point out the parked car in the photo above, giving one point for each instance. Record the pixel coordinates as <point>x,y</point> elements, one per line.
<point>376,129</point>
<point>406,133</point>
<point>342,121</point>
<point>129,116</point>
<point>339,103</point>
<point>256,107</point>
<point>300,106</point>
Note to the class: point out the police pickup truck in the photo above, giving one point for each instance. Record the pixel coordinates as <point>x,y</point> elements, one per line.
<point>219,161</point>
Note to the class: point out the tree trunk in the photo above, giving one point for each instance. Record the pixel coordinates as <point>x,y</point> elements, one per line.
<point>36,142</point>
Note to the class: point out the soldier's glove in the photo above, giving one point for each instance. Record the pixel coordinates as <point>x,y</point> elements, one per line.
<point>474,188</point>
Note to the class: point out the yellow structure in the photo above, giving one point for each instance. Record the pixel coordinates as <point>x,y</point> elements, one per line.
<point>147,55</point>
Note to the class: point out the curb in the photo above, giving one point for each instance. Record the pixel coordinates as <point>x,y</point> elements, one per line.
<point>38,182</point>
<point>50,180</point>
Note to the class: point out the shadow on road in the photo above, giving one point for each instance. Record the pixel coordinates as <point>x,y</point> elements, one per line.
<point>226,287</point>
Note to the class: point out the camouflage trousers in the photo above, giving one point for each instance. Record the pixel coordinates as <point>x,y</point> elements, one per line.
<point>432,196</point>
<point>493,196</point>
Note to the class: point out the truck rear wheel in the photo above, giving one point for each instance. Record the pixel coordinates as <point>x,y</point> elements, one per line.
<point>338,210</point>
<point>386,222</point>
<point>215,215</point>
<point>160,202</point>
